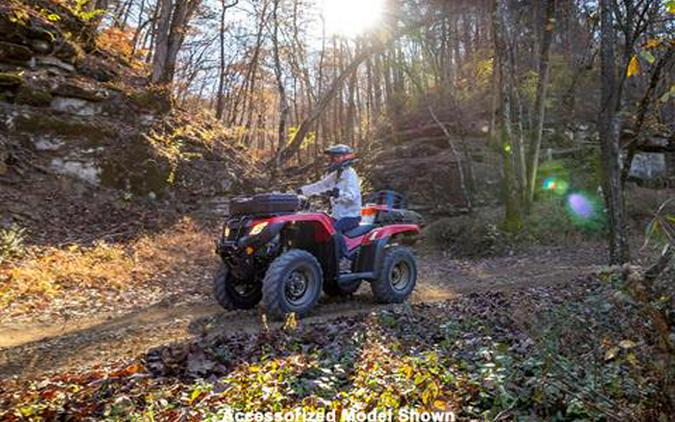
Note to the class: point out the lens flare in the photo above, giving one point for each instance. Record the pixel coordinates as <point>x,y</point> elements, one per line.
<point>580,205</point>
<point>553,178</point>
<point>585,210</point>
<point>549,183</point>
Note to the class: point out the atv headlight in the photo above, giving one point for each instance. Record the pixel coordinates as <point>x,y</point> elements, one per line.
<point>257,229</point>
<point>226,232</point>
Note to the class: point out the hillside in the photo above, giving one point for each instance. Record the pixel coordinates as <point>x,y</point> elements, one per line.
<point>84,135</point>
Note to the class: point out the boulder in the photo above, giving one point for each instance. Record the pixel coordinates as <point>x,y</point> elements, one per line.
<point>80,167</point>
<point>75,106</point>
<point>648,166</point>
<point>41,46</point>
<point>75,89</point>
<point>50,61</point>
<point>47,143</point>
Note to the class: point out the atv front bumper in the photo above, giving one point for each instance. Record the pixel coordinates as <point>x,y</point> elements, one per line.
<point>241,255</point>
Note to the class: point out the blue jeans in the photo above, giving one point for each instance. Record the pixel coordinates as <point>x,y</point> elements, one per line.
<point>344,225</point>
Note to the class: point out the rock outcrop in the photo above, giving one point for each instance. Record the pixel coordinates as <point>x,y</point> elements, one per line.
<point>71,110</point>
<point>414,156</point>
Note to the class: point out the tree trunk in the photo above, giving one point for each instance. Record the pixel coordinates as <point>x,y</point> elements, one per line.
<point>609,127</point>
<point>540,103</point>
<point>513,220</point>
<point>220,104</point>
<point>161,38</point>
<point>283,102</point>
<point>174,20</point>
<point>460,167</point>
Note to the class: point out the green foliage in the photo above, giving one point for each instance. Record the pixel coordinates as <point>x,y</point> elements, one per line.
<point>528,85</point>
<point>11,243</point>
<point>550,222</point>
<point>49,15</point>
<point>477,78</point>
<point>661,228</point>
<point>80,9</point>
<point>19,16</point>
<point>468,235</point>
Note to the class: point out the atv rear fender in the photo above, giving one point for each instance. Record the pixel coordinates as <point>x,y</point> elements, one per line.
<point>374,244</point>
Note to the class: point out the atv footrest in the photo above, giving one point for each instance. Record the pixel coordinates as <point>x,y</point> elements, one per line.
<point>351,277</point>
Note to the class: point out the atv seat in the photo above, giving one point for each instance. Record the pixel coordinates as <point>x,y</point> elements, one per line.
<point>359,231</point>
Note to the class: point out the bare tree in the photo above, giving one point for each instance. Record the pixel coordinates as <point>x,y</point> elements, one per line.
<point>609,127</point>
<point>174,20</point>
<point>220,104</point>
<point>278,73</point>
<point>540,102</point>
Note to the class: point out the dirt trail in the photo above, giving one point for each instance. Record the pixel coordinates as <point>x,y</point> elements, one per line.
<point>29,350</point>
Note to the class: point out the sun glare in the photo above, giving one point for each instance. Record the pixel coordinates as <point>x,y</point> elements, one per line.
<point>351,17</point>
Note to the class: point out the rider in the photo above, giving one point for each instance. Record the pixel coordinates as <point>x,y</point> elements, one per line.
<point>342,184</point>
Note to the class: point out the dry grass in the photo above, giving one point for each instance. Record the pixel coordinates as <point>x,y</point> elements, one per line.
<point>45,275</point>
<point>53,272</point>
<point>642,203</point>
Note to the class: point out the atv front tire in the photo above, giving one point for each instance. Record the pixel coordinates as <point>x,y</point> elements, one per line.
<point>293,283</point>
<point>397,276</point>
<point>233,294</point>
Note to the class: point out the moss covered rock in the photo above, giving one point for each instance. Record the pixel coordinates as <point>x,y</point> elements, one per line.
<point>33,96</point>
<point>8,79</point>
<point>137,168</point>
<point>66,127</point>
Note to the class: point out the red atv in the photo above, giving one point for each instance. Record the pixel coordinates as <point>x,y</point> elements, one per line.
<point>275,249</point>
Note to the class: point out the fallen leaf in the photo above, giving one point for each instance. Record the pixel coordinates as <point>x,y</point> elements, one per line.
<point>611,353</point>
<point>627,344</point>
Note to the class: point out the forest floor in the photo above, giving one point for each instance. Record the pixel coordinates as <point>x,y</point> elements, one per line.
<point>83,329</point>
<point>130,331</point>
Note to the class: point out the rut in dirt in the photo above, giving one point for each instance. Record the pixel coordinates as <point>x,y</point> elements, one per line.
<point>33,350</point>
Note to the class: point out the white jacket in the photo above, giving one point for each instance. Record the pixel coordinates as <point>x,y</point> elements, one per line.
<point>348,203</point>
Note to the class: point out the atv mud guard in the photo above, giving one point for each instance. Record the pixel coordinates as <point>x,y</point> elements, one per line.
<point>369,260</point>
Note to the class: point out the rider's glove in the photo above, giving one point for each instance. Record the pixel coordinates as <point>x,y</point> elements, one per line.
<point>335,192</point>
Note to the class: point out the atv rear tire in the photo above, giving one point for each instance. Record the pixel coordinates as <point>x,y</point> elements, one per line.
<point>292,283</point>
<point>397,276</point>
<point>229,294</point>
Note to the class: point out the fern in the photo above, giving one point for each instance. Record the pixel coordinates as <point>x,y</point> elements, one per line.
<point>11,243</point>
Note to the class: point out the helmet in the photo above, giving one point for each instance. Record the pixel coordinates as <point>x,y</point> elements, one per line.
<point>339,149</point>
<point>341,156</point>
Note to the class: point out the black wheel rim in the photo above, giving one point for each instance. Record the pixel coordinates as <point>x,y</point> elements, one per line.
<point>244,289</point>
<point>400,275</point>
<point>299,286</point>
